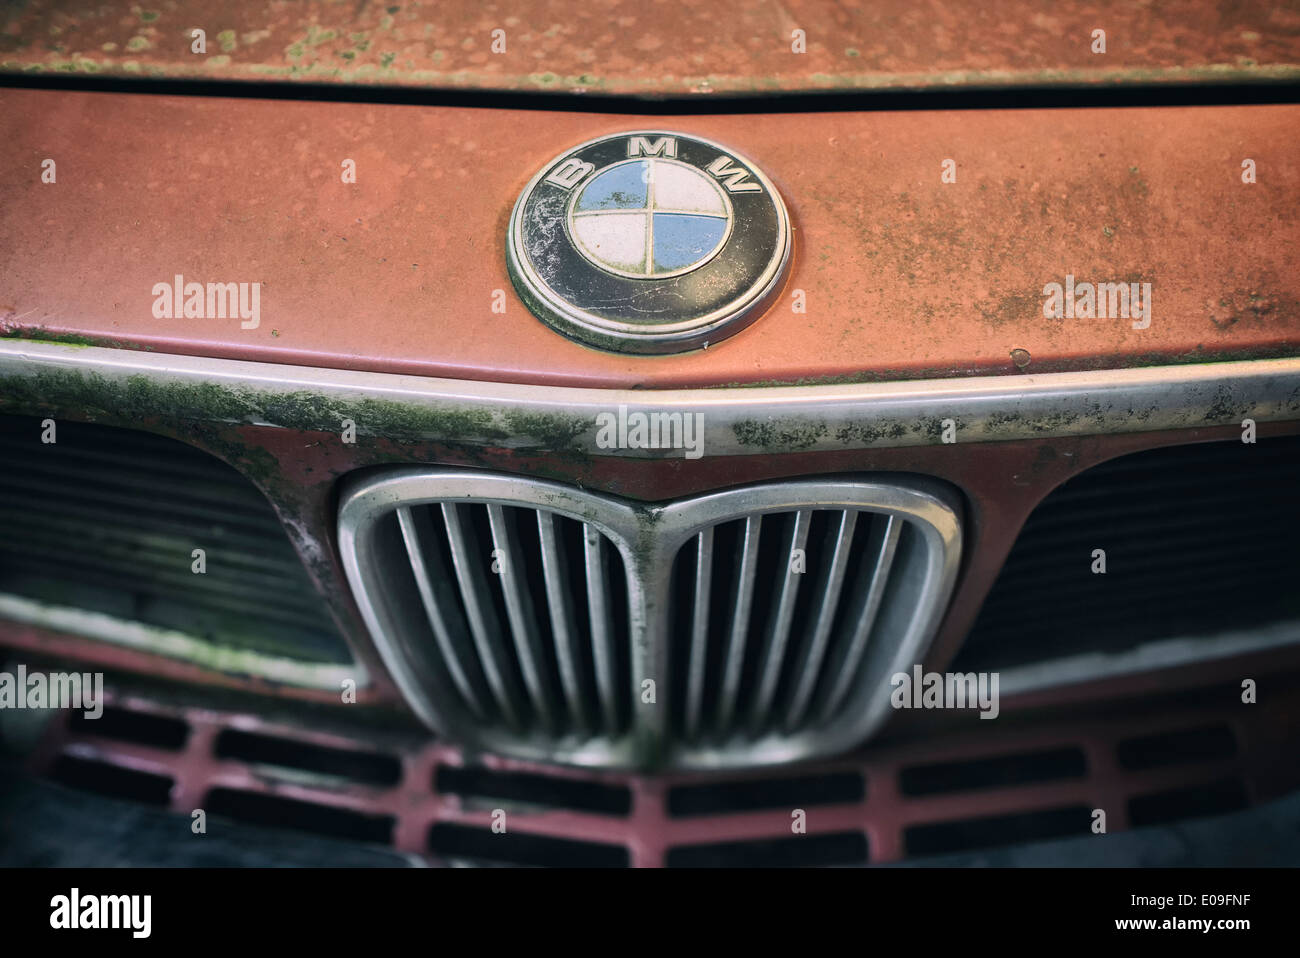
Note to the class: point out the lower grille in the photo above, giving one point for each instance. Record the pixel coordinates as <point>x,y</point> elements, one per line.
<point>101,527</point>
<point>753,626</point>
<point>1198,540</point>
<point>953,792</point>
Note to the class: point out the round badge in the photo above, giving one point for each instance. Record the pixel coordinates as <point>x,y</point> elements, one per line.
<point>648,242</point>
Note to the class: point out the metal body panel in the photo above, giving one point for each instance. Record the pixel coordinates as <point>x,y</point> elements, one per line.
<point>902,276</point>
<point>678,47</point>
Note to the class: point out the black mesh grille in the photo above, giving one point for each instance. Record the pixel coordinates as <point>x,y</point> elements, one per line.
<point>106,520</point>
<point>1198,539</point>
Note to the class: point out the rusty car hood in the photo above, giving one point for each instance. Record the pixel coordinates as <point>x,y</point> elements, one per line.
<point>661,49</point>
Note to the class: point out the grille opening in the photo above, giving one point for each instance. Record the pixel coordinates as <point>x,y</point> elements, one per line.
<point>462,843</point>
<point>806,677</point>
<point>530,789</point>
<point>838,848</point>
<point>968,834</point>
<point>115,781</point>
<point>1198,801</point>
<point>755,661</point>
<point>507,666</point>
<point>274,811</point>
<point>720,798</point>
<point>1181,747</point>
<point>1187,529</point>
<point>128,725</point>
<point>106,519</point>
<point>371,768</point>
<point>1000,771</point>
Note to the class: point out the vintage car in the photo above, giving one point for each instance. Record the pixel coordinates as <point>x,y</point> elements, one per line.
<point>672,434</point>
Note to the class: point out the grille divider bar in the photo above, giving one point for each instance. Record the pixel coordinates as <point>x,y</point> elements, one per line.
<point>809,668</point>
<point>778,632</point>
<point>564,623</point>
<point>699,630</point>
<point>876,576</point>
<point>520,614</point>
<point>482,617</point>
<point>742,607</point>
<point>436,595</point>
<point>602,625</point>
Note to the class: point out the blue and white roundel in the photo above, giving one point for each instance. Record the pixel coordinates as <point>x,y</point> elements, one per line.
<point>650,218</point>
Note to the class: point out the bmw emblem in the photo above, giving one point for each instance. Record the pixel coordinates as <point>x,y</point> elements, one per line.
<point>648,242</point>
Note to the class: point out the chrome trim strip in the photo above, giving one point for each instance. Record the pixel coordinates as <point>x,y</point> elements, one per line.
<point>179,645</point>
<point>1156,656</point>
<point>736,420</point>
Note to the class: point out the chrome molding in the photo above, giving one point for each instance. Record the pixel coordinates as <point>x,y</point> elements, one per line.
<point>182,646</point>
<point>1156,656</point>
<point>736,420</point>
<point>874,647</point>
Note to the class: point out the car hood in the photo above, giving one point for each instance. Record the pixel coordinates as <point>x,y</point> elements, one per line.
<point>667,48</point>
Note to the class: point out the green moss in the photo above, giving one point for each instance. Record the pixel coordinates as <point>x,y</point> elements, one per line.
<point>782,435</point>
<point>552,431</point>
<point>141,398</point>
<point>41,335</point>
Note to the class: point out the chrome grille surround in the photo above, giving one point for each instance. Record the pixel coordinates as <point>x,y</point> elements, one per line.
<point>489,662</point>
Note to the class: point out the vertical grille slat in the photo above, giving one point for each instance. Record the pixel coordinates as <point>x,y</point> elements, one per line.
<point>698,634</point>
<point>519,613</point>
<point>433,584</point>
<point>778,631</point>
<point>602,625</point>
<point>808,670</point>
<point>484,626</point>
<point>699,630</point>
<point>742,605</point>
<point>563,617</point>
<point>880,553</point>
